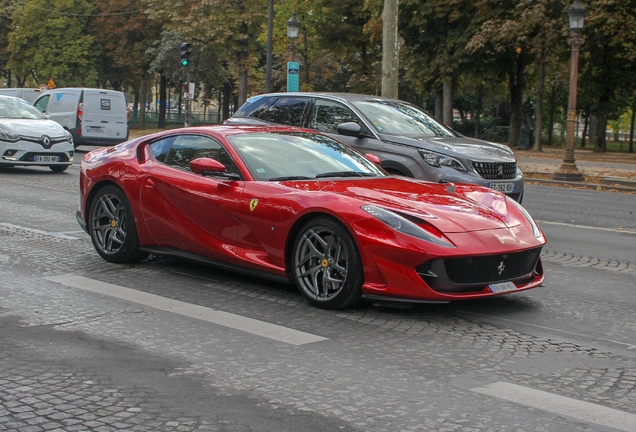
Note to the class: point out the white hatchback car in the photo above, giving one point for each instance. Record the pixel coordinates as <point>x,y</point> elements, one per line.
<point>29,138</point>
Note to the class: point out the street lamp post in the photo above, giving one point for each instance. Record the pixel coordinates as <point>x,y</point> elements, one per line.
<point>293,28</point>
<point>568,170</point>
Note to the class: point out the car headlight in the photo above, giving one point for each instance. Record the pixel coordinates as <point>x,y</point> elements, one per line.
<point>403,225</point>
<point>7,135</point>
<point>439,160</point>
<point>69,137</point>
<point>535,228</point>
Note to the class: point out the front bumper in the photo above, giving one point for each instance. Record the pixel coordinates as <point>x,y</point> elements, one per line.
<point>24,153</point>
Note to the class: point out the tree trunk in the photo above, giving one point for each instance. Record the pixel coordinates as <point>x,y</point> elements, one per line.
<point>447,86</point>
<point>161,123</point>
<point>538,126</point>
<point>516,84</point>
<point>142,102</point>
<point>551,116</point>
<point>585,125</point>
<point>631,129</point>
<point>390,49</point>
<point>227,95</point>
<point>480,100</point>
<point>439,105</point>
<point>600,143</point>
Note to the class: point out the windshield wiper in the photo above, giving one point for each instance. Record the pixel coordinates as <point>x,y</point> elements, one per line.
<point>289,178</point>
<point>345,174</point>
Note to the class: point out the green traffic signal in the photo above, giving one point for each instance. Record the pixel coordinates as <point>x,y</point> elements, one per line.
<point>184,53</point>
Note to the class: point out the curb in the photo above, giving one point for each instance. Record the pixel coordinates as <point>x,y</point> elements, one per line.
<point>594,186</point>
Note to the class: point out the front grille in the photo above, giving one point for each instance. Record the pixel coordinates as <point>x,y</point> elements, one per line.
<point>491,268</point>
<point>30,157</point>
<point>496,170</point>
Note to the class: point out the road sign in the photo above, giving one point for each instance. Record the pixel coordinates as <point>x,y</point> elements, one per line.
<point>51,83</point>
<point>43,87</point>
<point>292,76</point>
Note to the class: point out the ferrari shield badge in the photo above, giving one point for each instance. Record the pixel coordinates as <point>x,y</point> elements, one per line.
<point>253,204</point>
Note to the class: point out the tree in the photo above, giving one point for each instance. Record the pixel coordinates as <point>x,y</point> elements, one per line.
<point>50,40</point>
<point>607,62</point>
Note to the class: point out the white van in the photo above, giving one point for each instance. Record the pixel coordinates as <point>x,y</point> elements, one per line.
<point>28,94</point>
<point>93,116</point>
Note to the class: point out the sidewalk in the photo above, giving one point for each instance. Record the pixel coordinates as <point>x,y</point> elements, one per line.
<point>606,171</point>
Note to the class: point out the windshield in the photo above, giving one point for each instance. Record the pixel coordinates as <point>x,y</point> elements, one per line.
<point>14,108</point>
<point>299,155</point>
<point>400,118</point>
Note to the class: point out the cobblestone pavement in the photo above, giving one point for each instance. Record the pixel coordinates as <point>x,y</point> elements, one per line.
<point>381,370</point>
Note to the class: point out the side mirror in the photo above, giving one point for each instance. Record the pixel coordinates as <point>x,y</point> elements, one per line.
<point>351,129</point>
<point>373,158</point>
<point>211,167</point>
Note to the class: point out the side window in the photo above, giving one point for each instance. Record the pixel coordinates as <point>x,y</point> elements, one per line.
<point>254,107</point>
<point>286,110</point>
<point>42,103</point>
<point>159,149</point>
<point>179,151</point>
<point>328,115</point>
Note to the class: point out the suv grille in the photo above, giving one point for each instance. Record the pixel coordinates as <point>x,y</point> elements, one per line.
<point>496,170</point>
<point>491,268</point>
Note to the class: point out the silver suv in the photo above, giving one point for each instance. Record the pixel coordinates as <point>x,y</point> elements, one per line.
<point>407,139</point>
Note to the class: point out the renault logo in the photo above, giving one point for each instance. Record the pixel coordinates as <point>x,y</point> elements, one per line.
<point>46,141</point>
<point>500,171</point>
<point>501,268</point>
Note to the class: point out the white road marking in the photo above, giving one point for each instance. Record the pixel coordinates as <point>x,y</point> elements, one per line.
<point>561,405</point>
<point>225,319</point>
<point>618,230</point>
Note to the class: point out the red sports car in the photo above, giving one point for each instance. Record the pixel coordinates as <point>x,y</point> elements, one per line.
<point>294,205</point>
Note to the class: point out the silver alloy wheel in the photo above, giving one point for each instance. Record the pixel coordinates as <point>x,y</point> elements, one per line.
<point>108,223</point>
<point>321,263</point>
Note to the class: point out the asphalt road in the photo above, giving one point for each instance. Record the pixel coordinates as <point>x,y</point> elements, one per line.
<point>169,345</point>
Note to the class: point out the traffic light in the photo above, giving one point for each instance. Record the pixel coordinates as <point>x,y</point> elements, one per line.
<point>184,53</point>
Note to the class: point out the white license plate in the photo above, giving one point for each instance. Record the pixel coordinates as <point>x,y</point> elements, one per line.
<point>94,129</point>
<point>47,159</point>
<point>502,287</point>
<point>502,187</point>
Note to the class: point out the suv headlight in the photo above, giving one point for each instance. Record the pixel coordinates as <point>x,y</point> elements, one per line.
<point>69,137</point>
<point>439,160</point>
<point>7,135</point>
<point>404,225</point>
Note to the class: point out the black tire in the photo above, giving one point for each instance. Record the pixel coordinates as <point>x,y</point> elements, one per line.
<point>111,225</point>
<point>326,266</point>
<point>58,168</point>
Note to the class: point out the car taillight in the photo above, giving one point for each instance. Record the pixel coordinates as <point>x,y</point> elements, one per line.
<point>80,111</point>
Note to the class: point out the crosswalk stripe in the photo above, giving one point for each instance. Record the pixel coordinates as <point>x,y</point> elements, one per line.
<point>561,405</point>
<point>225,319</point>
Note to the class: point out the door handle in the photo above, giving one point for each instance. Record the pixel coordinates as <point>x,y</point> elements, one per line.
<point>150,183</point>
<point>104,121</point>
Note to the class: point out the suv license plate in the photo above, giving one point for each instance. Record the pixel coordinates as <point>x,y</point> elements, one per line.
<point>502,187</point>
<point>47,159</point>
<point>502,287</point>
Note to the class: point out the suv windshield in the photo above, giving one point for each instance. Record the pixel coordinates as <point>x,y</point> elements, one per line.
<point>399,118</point>
<point>299,155</point>
<point>18,109</point>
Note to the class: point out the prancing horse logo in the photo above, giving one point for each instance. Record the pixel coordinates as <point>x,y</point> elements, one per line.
<point>253,204</point>
<point>501,268</point>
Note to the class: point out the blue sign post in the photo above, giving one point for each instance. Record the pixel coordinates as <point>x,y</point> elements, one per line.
<point>292,76</point>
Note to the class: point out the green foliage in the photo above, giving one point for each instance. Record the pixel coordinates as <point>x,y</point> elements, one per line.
<point>50,40</point>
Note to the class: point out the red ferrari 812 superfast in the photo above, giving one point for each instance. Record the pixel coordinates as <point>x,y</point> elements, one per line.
<point>297,206</point>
